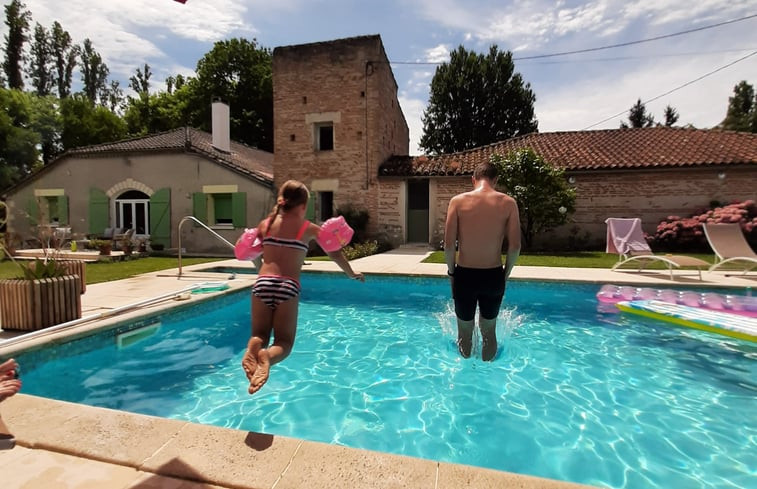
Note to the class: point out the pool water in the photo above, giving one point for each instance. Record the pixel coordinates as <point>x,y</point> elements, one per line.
<point>575,393</point>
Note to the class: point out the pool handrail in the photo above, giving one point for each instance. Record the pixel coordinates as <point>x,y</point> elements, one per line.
<point>101,315</point>
<point>193,218</point>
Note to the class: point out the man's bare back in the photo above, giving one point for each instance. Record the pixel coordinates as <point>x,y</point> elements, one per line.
<point>482,218</point>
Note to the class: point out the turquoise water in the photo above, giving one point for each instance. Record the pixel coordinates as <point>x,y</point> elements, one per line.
<point>575,393</point>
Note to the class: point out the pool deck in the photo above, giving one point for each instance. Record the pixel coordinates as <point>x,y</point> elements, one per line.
<point>64,445</point>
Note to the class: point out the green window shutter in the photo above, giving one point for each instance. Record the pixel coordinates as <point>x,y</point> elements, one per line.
<point>98,211</point>
<point>200,206</point>
<point>32,210</point>
<point>239,209</point>
<point>63,210</point>
<point>310,210</point>
<point>160,217</point>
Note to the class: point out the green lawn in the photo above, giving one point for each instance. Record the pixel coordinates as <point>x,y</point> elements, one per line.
<point>578,259</point>
<point>106,271</point>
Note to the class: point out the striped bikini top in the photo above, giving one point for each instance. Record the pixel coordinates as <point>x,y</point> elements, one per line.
<point>295,243</point>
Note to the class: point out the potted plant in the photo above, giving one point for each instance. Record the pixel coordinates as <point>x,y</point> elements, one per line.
<point>47,292</point>
<point>105,246</point>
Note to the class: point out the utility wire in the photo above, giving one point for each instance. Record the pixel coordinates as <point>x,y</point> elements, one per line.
<point>689,31</point>
<point>673,90</point>
<point>588,50</point>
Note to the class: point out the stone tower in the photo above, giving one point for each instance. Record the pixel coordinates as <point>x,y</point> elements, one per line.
<point>336,119</point>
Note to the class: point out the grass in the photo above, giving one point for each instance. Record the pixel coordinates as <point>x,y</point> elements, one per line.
<point>577,259</point>
<point>105,271</point>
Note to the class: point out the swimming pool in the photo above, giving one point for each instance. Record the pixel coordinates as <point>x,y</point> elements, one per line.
<point>575,393</point>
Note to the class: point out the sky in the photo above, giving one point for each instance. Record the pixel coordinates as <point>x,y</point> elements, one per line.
<point>591,90</point>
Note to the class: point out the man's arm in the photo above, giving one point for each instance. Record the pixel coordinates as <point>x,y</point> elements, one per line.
<point>513,238</point>
<point>450,236</point>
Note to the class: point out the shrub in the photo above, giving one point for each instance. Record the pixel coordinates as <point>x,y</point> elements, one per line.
<point>357,220</point>
<point>687,234</point>
<point>359,250</point>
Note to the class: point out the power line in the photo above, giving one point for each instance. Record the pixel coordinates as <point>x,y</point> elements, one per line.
<point>675,89</point>
<point>657,38</point>
<point>588,50</point>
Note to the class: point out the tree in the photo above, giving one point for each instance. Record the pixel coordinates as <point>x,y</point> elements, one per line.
<point>638,117</point>
<point>742,109</point>
<point>545,200</point>
<point>239,72</point>
<point>18,141</point>
<point>671,116</point>
<point>46,122</point>
<point>476,100</point>
<point>84,124</point>
<point>17,19</point>
<point>40,65</point>
<point>94,73</point>
<point>64,53</point>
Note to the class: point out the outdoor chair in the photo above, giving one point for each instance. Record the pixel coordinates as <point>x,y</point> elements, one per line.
<point>730,247</point>
<point>626,239</point>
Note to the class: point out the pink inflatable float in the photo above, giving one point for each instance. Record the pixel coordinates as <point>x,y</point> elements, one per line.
<point>248,246</point>
<point>736,304</point>
<point>335,234</point>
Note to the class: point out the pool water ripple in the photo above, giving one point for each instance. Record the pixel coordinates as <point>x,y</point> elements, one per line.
<point>576,392</point>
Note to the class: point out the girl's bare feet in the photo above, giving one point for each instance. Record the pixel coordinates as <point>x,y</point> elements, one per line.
<point>260,377</point>
<point>250,358</point>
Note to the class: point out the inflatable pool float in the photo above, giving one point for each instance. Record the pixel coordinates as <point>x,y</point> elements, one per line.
<point>724,323</point>
<point>735,304</point>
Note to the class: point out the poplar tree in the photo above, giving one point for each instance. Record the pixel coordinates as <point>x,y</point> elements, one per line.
<point>64,53</point>
<point>41,62</point>
<point>17,19</point>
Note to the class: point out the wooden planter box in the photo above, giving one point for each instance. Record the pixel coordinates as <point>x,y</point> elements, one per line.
<point>76,267</point>
<point>36,304</point>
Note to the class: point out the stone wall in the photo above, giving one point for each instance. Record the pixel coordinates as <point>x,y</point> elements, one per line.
<point>651,195</point>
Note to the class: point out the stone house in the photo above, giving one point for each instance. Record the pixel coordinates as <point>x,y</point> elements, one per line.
<point>149,184</point>
<point>649,173</point>
<point>338,128</point>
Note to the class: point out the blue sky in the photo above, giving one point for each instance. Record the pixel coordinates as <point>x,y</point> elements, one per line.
<point>572,92</point>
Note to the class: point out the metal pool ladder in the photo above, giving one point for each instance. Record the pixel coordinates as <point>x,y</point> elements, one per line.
<point>197,221</point>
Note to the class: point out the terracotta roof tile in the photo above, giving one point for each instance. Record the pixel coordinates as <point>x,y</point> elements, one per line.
<point>248,160</point>
<point>588,150</point>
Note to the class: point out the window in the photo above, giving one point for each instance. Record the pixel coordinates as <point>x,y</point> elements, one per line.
<point>325,205</point>
<point>324,137</point>
<point>221,206</point>
<point>52,212</point>
<point>221,209</point>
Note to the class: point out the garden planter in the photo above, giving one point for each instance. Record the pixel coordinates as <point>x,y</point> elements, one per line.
<point>36,304</point>
<point>76,267</point>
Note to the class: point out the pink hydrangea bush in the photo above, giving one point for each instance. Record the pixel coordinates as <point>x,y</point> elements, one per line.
<point>687,234</point>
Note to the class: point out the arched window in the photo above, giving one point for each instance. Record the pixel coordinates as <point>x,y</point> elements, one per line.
<point>133,212</point>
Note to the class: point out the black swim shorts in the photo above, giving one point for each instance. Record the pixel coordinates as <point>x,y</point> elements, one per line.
<point>482,286</point>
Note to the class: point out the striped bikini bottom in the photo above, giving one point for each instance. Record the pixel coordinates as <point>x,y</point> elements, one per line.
<point>274,289</point>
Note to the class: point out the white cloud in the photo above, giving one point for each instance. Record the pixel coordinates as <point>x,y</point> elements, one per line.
<point>437,54</point>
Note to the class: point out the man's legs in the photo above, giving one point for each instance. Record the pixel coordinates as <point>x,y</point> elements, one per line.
<point>465,336</point>
<point>488,336</point>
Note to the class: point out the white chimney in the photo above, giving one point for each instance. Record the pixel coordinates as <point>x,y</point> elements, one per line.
<point>221,131</point>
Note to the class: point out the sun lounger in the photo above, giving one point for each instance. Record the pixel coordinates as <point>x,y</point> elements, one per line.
<point>626,239</point>
<point>730,246</point>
